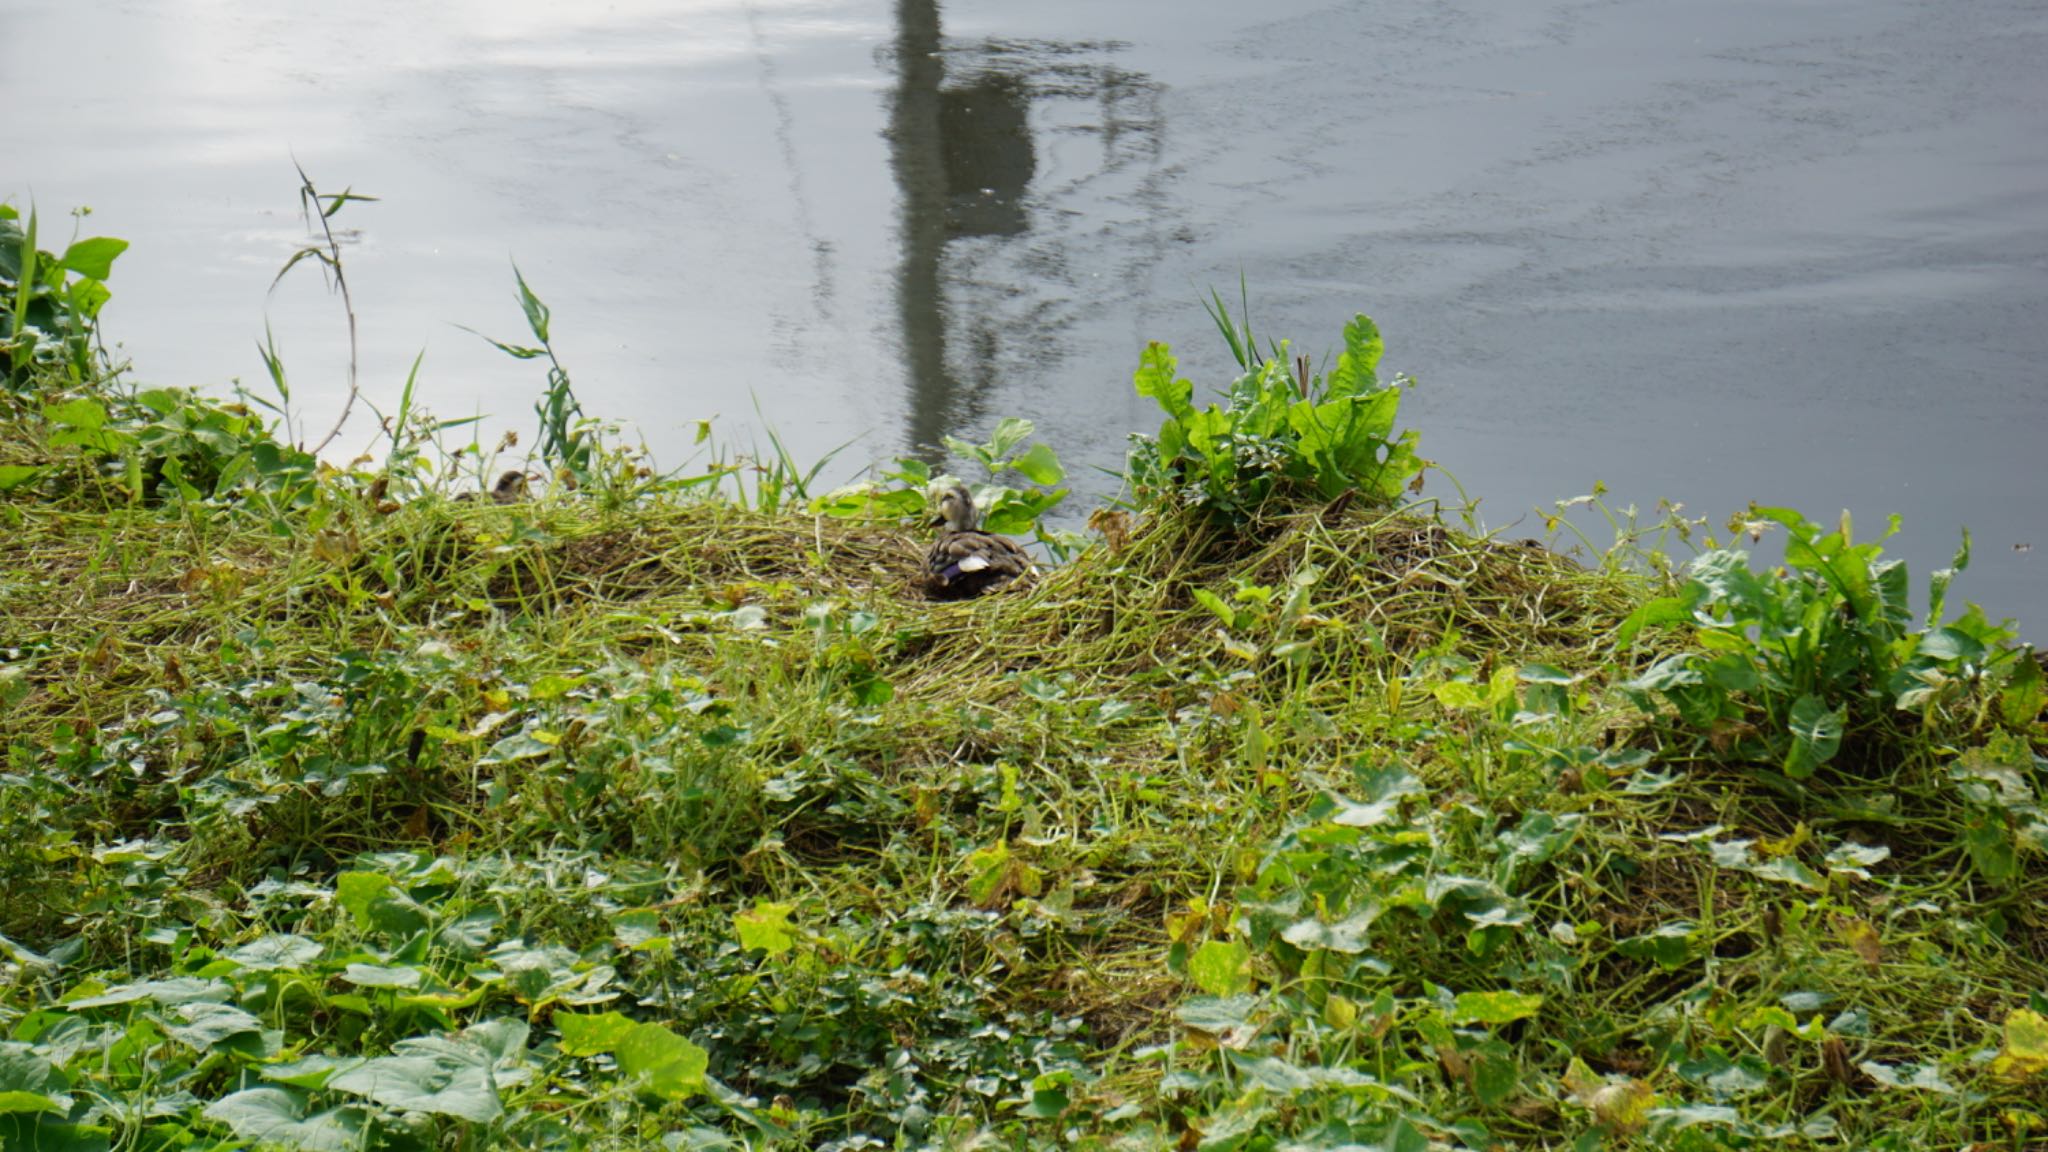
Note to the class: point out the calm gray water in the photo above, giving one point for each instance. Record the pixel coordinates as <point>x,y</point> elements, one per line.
<point>1793,251</point>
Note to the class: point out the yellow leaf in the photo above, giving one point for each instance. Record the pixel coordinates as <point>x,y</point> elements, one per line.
<point>2025,1055</point>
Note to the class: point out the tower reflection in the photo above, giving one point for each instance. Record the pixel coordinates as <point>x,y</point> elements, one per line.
<point>981,283</point>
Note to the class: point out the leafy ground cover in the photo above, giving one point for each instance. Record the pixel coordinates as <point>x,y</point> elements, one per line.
<point>659,811</point>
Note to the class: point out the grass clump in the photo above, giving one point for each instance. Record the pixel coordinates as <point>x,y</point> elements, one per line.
<point>338,812</point>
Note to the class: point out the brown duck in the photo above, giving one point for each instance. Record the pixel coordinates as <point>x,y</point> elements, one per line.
<point>511,488</point>
<point>966,561</point>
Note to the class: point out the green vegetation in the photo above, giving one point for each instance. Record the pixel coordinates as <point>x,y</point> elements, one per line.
<point>656,811</point>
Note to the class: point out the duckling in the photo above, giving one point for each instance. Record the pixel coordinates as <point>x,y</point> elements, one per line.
<point>966,561</point>
<point>510,489</point>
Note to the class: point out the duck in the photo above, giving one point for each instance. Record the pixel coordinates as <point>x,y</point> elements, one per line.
<point>965,561</point>
<point>511,488</point>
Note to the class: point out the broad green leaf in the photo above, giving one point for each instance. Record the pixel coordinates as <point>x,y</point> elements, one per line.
<point>1457,694</point>
<point>1816,735</point>
<point>1669,946</point>
<point>1659,613</point>
<point>1787,870</point>
<point>1495,1075</point>
<point>1040,465</point>
<point>172,992</point>
<point>1217,1015</point>
<point>202,1026</point>
<point>82,414</point>
<point>382,976</point>
<point>1853,859</point>
<point>1010,431</point>
<point>1990,844</point>
<point>1725,1078</point>
<point>1222,968</point>
<point>355,891</point>
<point>1158,377</point>
<point>1356,371</point>
<point>987,868</point>
<point>639,929</point>
<point>588,1035</point>
<point>664,1064</point>
<point>278,1116</point>
<point>1682,1116</point>
<point>1348,936</point>
<point>766,927</point>
<point>41,1133</point>
<point>2025,693</point>
<point>1950,645</point>
<point>13,476</point>
<point>93,258</point>
<point>30,1083</point>
<point>275,951</point>
<point>1919,1077</point>
<point>436,1084</point>
<point>1494,1007</point>
<point>307,1071</point>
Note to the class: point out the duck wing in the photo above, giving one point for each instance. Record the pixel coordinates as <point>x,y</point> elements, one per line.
<point>965,563</point>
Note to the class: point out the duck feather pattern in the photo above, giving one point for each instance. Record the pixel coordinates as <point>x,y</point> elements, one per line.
<point>966,561</point>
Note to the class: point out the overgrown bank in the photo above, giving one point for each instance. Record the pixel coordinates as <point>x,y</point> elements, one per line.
<point>339,812</point>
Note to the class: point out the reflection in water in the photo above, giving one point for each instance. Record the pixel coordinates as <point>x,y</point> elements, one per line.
<point>964,160</point>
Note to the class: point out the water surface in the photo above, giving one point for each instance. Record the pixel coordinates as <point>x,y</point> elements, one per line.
<point>1792,251</point>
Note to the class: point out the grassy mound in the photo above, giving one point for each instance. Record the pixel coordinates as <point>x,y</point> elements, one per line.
<point>341,813</point>
<point>1332,822</point>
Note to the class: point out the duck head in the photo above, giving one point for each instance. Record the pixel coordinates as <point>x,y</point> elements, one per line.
<point>956,508</point>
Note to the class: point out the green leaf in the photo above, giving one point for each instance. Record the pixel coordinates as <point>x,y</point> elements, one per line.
<point>307,1071</point>
<point>1494,1007</point>
<point>204,1026</point>
<point>766,928</point>
<point>1990,844</point>
<point>588,1035</point>
<point>1669,946</point>
<point>1356,370</point>
<point>375,902</point>
<point>13,476</point>
<point>1010,432</point>
<point>662,1063</point>
<point>30,1083</point>
<point>1787,870</point>
<point>536,312</point>
<point>278,1116</point>
<point>1816,735</point>
<point>1040,465</point>
<point>82,414</point>
<point>381,976</point>
<point>25,275</point>
<point>438,1083</point>
<point>1158,377</point>
<point>1457,695</point>
<point>275,951</point>
<point>1495,1075</point>
<point>1348,936</point>
<point>1920,1077</point>
<point>1217,1015</point>
<point>1222,969</point>
<point>1951,646</point>
<point>1215,604</point>
<point>2025,693</point>
<point>93,258</point>
<point>170,993</point>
